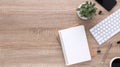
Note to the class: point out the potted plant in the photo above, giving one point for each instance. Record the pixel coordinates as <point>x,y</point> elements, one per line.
<point>86,10</point>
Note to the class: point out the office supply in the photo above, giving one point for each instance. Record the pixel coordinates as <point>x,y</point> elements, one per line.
<point>100,12</point>
<point>118,42</point>
<point>74,45</point>
<point>115,62</point>
<point>106,53</point>
<point>106,28</point>
<point>98,51</point>
<point>107,4</point>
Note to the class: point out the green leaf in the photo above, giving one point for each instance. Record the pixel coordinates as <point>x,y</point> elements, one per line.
<point>86,2</point>
<point>93,5</point>
<point>90,3</point>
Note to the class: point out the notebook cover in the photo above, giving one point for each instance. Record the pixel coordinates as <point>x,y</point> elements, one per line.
<point>74,45</point>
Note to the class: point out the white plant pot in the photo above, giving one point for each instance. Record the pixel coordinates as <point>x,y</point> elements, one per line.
<point>79,15</point>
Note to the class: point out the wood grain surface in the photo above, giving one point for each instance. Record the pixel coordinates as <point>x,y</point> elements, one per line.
<point>29,31</point>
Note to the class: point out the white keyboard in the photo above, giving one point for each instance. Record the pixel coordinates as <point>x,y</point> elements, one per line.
<point>107,28</point>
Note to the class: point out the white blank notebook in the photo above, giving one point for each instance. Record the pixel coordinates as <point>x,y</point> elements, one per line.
<point>74,45</point>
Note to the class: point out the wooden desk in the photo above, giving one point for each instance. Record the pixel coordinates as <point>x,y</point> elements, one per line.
<point>28,32</point>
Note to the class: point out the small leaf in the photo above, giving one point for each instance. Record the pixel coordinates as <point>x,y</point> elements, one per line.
<point>90,3</point>
<point>86,2</point>
<point>93,4</point>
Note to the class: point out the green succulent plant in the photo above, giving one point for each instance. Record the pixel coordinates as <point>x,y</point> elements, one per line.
<point>87,10</point>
